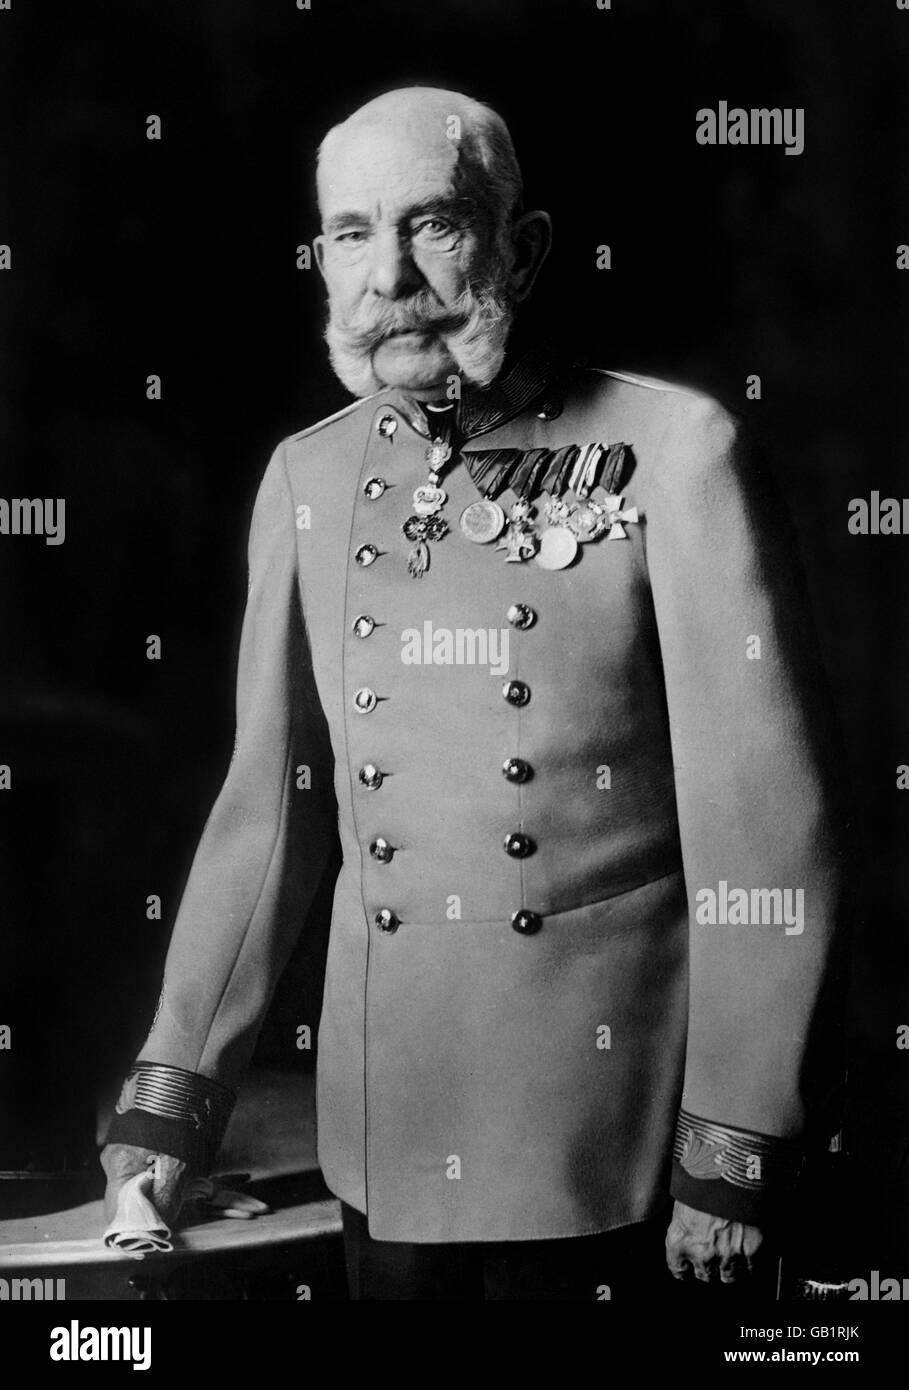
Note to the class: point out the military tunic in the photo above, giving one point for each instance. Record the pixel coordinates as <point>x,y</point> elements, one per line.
<point>533,773</point>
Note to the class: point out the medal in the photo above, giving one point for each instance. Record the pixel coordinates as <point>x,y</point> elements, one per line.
<point>557,512</point>
<point>589,475</point>
<point>438,454</point>
<point>520,541</point>
<point>558,548</point>
<point>427,524</point>
<point>421,529</point>
<point>429,498</point>
<point>615,516</point>
<point>588,521</point>
<point>482,522</point>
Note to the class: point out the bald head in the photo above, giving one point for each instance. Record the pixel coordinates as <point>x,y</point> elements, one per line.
<point>464,137</point>
<point>424,247</point>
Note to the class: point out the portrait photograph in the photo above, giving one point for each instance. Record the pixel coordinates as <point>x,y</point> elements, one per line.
<point>454,753</point>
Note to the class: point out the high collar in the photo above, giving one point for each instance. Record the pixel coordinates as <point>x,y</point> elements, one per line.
<point>528,370</point>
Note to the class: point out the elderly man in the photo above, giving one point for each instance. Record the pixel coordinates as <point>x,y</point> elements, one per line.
<point>531,636</point>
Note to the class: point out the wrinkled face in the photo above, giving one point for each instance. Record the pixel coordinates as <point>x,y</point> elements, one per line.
<point>409,251</point>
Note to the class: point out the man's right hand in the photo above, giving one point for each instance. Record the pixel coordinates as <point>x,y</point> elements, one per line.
<point>123,1161</point>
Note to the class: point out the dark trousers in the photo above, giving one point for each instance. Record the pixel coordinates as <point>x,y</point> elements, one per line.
<point>627,1265</point>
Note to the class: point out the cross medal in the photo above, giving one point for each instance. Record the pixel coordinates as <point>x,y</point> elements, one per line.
<point>428,500</point>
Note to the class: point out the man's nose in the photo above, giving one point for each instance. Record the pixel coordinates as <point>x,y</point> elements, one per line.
<point>392,272</point>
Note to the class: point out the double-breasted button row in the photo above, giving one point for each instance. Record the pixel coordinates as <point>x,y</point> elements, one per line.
<point>517,693</point>
<point>373,488</point>
<point>517,770</point>
<point>365,698</point>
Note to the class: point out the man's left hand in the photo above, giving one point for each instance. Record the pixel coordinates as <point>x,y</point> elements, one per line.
<point>710,1246</point>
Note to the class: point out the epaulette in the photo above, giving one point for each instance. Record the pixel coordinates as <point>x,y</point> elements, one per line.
<point>330,419</point>
<point>649,383</point>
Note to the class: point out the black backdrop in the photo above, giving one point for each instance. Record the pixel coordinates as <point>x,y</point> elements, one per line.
<point>177,257</point>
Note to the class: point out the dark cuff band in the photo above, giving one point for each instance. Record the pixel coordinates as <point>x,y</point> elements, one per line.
<point>739,1174</point>
<point>174,1111</point>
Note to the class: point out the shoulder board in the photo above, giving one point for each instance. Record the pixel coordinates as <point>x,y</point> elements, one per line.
<point>649,383</point>
<point>338,415</point>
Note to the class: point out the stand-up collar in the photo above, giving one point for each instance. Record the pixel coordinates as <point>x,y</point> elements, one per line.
<point>529,370</point>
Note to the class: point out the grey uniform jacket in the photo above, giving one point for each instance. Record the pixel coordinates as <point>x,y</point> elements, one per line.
<point>565,937</point>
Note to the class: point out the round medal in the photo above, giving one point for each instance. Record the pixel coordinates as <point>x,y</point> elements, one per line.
<point>481,522</point>
<point>588,522</point>
<point>558,548</point>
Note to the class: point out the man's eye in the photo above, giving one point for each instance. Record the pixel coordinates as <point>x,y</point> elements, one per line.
<point>351,238</point>
<point>434,229</point>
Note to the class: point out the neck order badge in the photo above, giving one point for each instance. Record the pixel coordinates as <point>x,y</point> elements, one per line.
<point>427,524</point>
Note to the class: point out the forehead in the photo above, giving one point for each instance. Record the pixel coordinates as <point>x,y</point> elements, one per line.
<point>373,167</point>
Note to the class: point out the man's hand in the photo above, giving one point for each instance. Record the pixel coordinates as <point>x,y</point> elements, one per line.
<point>710,1246</point>
<point>123,1161</point>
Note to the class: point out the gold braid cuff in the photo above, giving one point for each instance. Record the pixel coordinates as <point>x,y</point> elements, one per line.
<point>744,1158</point>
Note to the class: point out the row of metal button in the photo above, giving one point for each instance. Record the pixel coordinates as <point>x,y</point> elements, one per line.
<point>519,615</point>
<point>516,693</point>
<point>518,845</point>
<point>524,921</point>
<point>513,770</point>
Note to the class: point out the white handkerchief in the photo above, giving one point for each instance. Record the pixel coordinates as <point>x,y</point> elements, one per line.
<point>137,1229</point>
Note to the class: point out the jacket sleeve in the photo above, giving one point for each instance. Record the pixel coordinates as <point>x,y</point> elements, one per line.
<point>763,819</point>
<point>257,868</point>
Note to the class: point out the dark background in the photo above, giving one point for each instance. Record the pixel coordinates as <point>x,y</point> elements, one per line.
<point>177,257</point>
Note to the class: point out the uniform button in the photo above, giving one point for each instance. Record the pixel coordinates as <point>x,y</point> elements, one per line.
<point>363,625</point>
<point>365,700</point>
<point>366,554</point>
<point>516,770</point>
<point>549,410</point>
<point>519,615</point>
<point>516,692</point>
<point>526,922</point>
<point>380,849</point>
<point>518,845</point>
<point>386,426</point>
<point>370,776</point>
<point>386,920</point>
<point>374,487</point>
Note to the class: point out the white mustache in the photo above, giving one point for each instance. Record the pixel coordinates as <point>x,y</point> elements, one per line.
<point>363,330</point>
<point>474,330</point>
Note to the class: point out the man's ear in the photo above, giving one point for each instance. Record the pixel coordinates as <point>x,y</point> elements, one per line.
<point>531,238</point>
<point>318,246</point>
